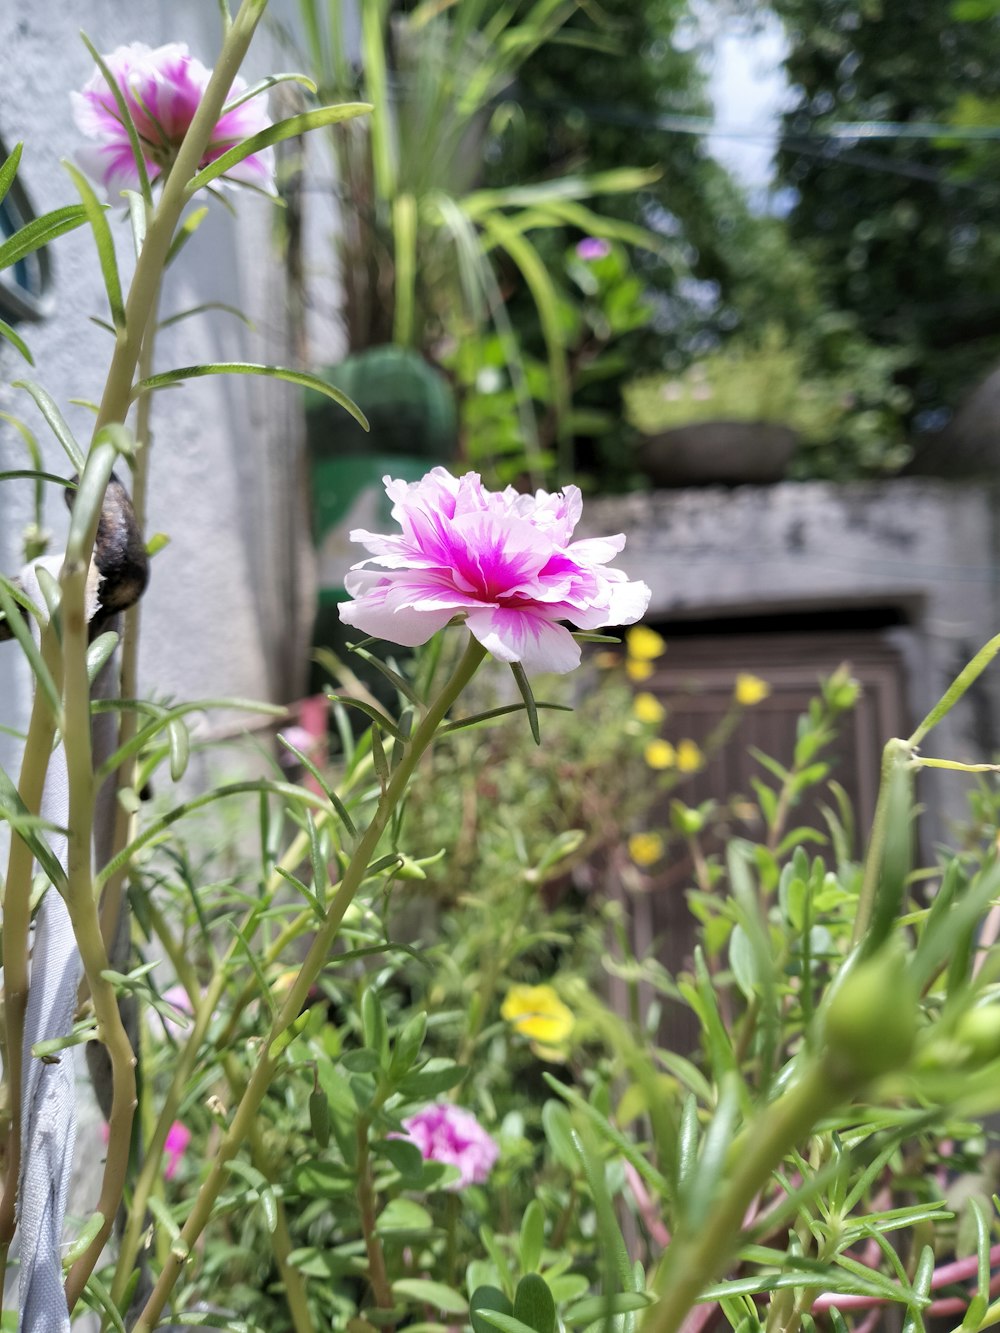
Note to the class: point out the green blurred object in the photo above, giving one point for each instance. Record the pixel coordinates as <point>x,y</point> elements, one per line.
<point>409,405</point>
<point>411,411</point>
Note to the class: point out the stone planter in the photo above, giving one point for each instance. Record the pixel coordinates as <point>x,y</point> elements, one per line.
<point>718,453</point>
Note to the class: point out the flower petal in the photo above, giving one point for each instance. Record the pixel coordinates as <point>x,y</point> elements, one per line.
<point>526,637</point>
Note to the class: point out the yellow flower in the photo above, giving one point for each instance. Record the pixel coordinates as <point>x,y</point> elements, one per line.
<point>750,689</point>
<point>645,849</point>
<point>689,757</point>
<point>660,754</point>
<point>538,1013</point>
<point>644,643</point>
<point>647,708</point>
<point>637,670</point>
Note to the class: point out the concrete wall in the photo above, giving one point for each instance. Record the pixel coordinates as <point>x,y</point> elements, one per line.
<point>230,597</point>
<point>925,548</point>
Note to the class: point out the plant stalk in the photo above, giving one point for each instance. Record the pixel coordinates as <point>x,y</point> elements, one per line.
<point>260,1080</point>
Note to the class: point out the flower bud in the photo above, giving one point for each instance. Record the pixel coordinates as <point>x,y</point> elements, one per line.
<point>871,1021</point>
<point>978,1033</point>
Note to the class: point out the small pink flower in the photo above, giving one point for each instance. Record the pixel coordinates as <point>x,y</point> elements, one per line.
<point>163,89</point>
<point>504,562</point>
<point>592,247</point>
<point>453,1136</point>
<point>178,1138</point>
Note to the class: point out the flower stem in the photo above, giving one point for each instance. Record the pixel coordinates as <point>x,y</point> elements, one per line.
<point>260,1080</point>
<point>367,1206</point>
<point>895,752</point>
<point>694,1261</point>
<point>16,924</point>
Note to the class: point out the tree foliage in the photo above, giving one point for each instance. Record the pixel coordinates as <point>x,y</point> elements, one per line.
<point>904,224</point>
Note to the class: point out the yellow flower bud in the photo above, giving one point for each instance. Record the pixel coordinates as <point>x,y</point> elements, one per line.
<point>750,689</point>
<point>689,757</point>
<point>647,708</point>
<point>645,849</point>
<point>660,754</point>
<point>637,669</point>
<point>644,643</point>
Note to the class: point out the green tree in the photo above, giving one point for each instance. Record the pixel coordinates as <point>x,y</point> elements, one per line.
<point>903,228</point>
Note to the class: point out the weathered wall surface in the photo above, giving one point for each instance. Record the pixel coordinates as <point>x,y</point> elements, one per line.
<point>925,548</point>
<point>224,613</point>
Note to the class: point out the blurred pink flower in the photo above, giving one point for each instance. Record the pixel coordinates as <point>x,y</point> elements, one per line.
<point>453,1136</point>
<point>163,88</point>
<point>504,562</point>
<point>592,247</point>
<point>174,1148</point>
<point>177,997</point>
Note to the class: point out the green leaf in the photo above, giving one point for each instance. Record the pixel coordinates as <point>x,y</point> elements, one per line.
<point>81,1032</point>
<point>404,1216</point>
<point>290,128</point>
<point>14,812</point>
<point>38,233</point>
<point>11,599</point>
<point>611,1135</point>
<point>99,653</point>
<point>480,719</point>
<point>376,714</point>
<point>184,233</point>
<point>201,309</point>
<point>171,377</point>
<point>180,747</point>
<point>82,1241</point>
<point>327,790</point>
<point>406,1157</point>
<point>596,1308</point>
<point>262,85</point>
<point>531,1240</point>
<point>9,169</point>
<point>531,708</point>
<point>17,341</point>
<point>46,404</point>
<point>436,1294</point>
<point>487,1298</point>
<point>506,1323</point>
<point>97,217</point>
<point>533,1304</point>
<point>435,1076</point>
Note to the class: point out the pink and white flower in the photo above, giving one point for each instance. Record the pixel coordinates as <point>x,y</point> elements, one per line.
<point>504,562</point>
<point>453,1136</point>
<point>163,87</point>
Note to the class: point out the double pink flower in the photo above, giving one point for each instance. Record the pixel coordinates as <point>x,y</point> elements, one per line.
<point>162,88</point>
<point>504,562</point>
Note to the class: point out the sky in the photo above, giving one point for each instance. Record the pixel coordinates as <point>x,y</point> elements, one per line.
<point>747,87</point>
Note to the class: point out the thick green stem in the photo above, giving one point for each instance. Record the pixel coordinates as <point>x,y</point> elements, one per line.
<point>692,1263</point>
<point>319,952</point>
<point>125,816</point>
<point>16,925</point>
<point>139,313</point>
<point>80,900</point>
<point>895,752</point>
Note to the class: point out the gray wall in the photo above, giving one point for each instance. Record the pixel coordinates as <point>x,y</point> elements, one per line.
<point>926,548</point>
<point>228,605</point>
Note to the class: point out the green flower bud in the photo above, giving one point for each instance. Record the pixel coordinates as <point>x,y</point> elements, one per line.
<point>871,1021</point>
<point>978,1033</point>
